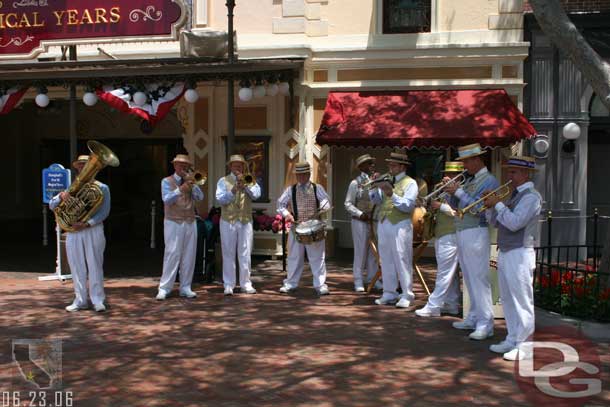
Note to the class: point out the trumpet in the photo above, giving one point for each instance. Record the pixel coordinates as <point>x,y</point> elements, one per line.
<point>246,179</point>
<point>387,177</point>
<point>198,177</point>
<point>501,192</point>
<point>438,193</point>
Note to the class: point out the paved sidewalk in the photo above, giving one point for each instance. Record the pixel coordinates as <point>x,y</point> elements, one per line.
<point>260,350</point>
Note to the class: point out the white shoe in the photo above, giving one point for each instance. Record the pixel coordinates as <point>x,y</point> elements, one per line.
<point>161,295</point>
<point>99,307</point>
<point>450,309</point>
<point>480,334</point>
<point>502,347</point>
<point>228,291</point>
<point>323,291</point>
<point>286,289</point>
<point>403,303</point>
<point>428,312</point>
<point>359,288</point>
<point>383,300</point>
<point>249,290</point>
<point>464,325</point>
<point>517,354</point>
<point>74,308</point>
<point>188,294</point>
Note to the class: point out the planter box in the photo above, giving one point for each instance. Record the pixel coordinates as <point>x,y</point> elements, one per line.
<point>267,243</point>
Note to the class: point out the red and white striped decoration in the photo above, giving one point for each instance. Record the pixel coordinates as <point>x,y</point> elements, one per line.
<point>153,111</point>
<point>10,98</point>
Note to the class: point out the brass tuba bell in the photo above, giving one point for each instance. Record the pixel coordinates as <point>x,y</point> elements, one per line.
<point>85,195</point>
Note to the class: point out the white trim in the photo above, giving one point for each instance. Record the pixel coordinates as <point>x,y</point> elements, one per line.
<point>200,13</point>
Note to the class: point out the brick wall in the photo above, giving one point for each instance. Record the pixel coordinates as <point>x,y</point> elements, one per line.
<point>580,6</point>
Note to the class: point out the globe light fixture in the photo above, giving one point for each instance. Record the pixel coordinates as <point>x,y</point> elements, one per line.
<point>571,131</point>
<point>90,98</point>
<point>191,95</point>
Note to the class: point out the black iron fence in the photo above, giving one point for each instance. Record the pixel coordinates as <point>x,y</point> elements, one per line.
<point>567,278</point>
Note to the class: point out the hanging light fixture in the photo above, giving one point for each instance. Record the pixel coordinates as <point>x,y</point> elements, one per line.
<point>245,91</point>
<point>191,95</point>
<point>272,87</point>
<point>284,88</point>
<point>259,89</point>
<point>89,98</point>
<point>139,98</point>
<point>42,100</point>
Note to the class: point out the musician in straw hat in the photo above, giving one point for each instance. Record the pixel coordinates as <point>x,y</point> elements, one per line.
<point>236,233</point>
<point>179,194</point>
<point>517,234</point>
<point>305,200</point>
<point>358,204</point>
<point>473,242</point>
<point>395,231</point>
<point>446,294</point>
<point>85,249</point>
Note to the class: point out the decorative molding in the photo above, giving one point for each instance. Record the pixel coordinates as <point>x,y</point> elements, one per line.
<point>299,17</point>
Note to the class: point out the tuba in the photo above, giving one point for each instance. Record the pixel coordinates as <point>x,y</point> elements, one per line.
<point>85,195</point>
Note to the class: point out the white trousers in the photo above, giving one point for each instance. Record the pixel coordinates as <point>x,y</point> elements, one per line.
<point>180,252</point>
<point>446,288</point>
<point>364,259</point>
<point>316,253</point>
<point>515,276</point>
<point>396,255</point>
<point>236,238</point>
<point>473,255</point>
<point>85,250</point>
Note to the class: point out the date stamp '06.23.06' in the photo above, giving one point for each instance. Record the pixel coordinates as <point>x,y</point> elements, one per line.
<point>36,375</point>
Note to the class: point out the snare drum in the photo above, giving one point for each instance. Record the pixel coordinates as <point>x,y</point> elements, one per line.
<point>310,231</point>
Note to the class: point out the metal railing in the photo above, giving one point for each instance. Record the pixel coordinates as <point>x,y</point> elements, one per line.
<point>568,285</point>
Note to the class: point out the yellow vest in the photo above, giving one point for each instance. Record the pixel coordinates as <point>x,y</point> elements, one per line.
<point>445,225</point>
<point>387,208</point>
<point>238,210</point>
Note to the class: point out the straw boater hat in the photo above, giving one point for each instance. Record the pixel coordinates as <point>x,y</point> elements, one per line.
<point>182,158</point>
<point>80,159</point>
<point>471,150</point>
<point>365,158</point>
<point>520,161</point>
<point>236,158</point>
<point>302,168</point>
<point>453,166</point>
<point>399,158</point>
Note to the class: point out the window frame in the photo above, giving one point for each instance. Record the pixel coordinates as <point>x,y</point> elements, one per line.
<point>384,20</point>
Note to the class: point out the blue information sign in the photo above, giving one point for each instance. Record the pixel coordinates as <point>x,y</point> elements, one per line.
<point>54,180</point>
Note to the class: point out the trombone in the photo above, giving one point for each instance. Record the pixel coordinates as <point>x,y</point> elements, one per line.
<point>501,192</point>
<point>382,178</point>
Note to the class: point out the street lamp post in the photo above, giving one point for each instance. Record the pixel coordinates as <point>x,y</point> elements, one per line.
<point>230,83</point>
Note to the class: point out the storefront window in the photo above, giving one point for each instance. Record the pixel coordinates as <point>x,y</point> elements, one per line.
<point>406,16</point>
<point>255,150</point>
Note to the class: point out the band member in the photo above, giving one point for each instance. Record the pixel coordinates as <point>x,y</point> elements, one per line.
<point>359,205</point>
<point>179,193</point>
<point>305,200</point>
<point>235,196</point>
<point>395,231</point>
<point>85,249</point>
<point>473,243</point>
<point>446,294</point>
<point>517,232</point>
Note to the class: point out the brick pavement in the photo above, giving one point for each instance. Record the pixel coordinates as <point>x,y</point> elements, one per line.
<point>264,349</point>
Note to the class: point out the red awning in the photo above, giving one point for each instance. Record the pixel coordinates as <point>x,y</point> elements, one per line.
<point>423,119</point>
